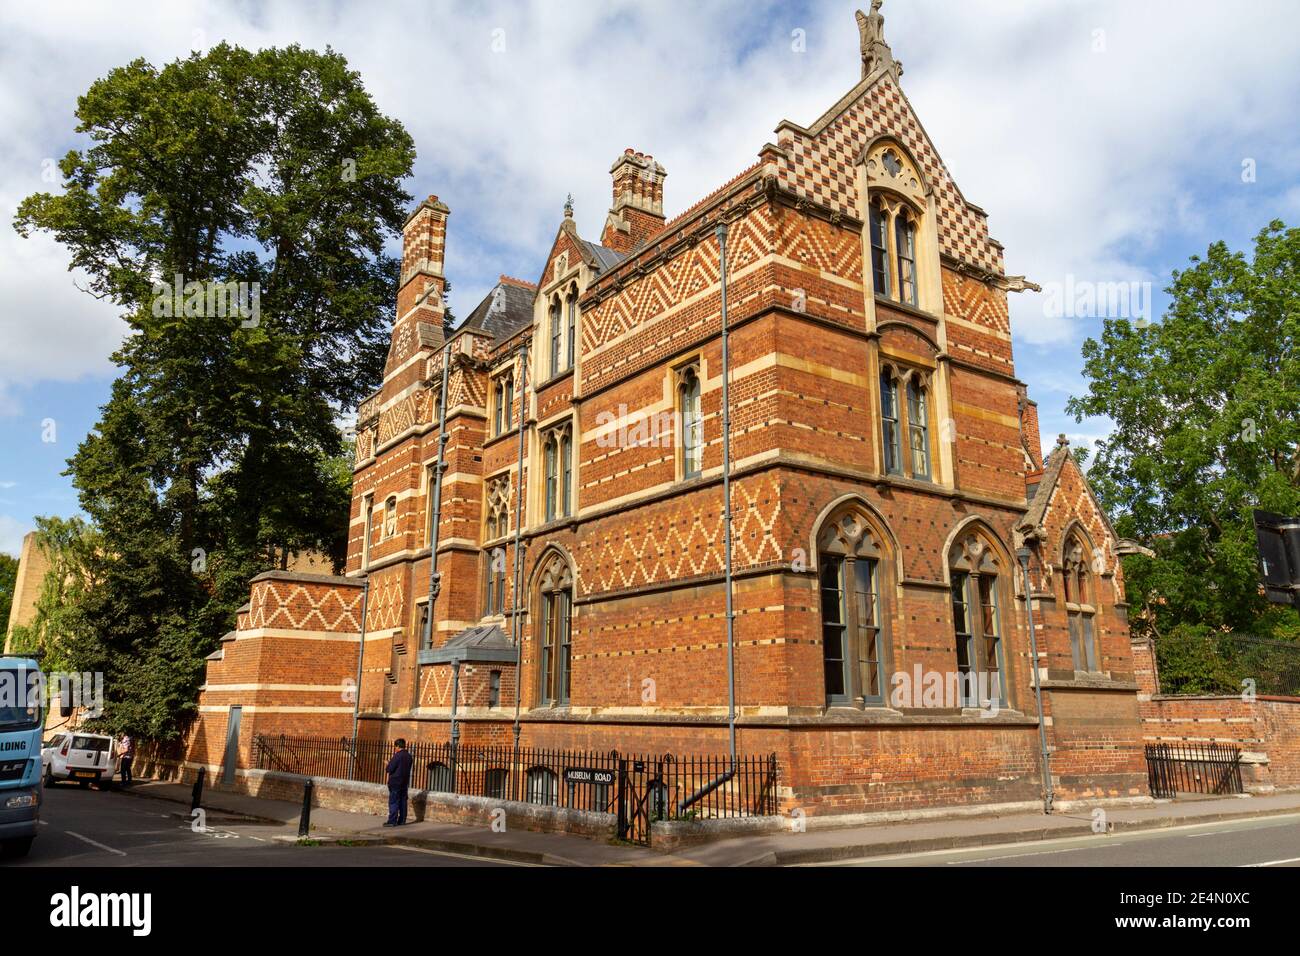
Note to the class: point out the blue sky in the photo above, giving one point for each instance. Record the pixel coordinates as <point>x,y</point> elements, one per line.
<point>1106,140</point>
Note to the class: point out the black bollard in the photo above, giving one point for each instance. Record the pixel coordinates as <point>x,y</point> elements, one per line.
<point>196,798</point>
<point>304,822</point>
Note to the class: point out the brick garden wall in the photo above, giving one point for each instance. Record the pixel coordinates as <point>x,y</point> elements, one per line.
<point>1267,729</point>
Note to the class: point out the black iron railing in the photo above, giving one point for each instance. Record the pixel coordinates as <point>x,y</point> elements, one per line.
<point>1213,663</point>
<point>1193,768</point>
<point>575,779</point>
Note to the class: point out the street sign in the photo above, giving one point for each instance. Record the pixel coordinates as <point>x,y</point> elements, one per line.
<point>1277,540</point>
<point>588,775</point>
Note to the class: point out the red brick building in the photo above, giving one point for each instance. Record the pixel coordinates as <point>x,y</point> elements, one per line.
<point>885,468</point>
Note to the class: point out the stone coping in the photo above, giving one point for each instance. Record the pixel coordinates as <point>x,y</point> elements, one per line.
<point>304,577</point>
<point>1005,718</point>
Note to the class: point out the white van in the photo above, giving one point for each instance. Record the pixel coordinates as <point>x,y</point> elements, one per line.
<point>84,758</point>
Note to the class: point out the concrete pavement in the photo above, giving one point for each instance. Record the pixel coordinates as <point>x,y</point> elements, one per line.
<point>1267,841</point>
<point>89,828</point>
<point>819,845</point>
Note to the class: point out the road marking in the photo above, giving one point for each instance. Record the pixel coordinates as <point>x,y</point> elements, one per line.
<point>1294,859</point>
<point>1013,856</point>
<point>463,856</point>
<point>1261,822</point>
<point>86,839</point>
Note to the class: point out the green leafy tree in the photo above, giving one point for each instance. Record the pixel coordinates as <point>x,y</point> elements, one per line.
<point>72,550</point>
<point>1206,408</point>
<point>8,581</point>
<point>213,458</point>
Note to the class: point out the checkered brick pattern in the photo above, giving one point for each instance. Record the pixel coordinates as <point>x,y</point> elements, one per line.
<point>821,169</point>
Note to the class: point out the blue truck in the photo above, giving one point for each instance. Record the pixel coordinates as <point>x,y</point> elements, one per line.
<point>22,720</point>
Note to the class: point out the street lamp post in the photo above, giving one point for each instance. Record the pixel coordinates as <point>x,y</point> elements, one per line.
<point>1023,554</point>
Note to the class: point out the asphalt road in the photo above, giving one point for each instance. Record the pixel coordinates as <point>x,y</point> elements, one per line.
<point>94,828</point>
<point>1262,841</point>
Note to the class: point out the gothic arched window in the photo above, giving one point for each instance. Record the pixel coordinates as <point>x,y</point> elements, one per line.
<point>572,331</point>
<point>390,517</point>
<point>503,398</point>
<point>897,199</point>
<point>878,226</point>
<point>911,418</point>
<point>556,332</point>
<point>496,526</point>
<point>557,464</point>
<point>889,423</point>
<point>905,247</point>
<point>976,587</point>
<point>918,427</point>
<point>1080,605</point>
<point>692,425</point>
<point>555,631</point>
<point>854,643</point>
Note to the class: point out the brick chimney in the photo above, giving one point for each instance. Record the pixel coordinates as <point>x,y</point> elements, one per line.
<point>638,210</point>
<point>1029,435</point>
<point>424,239</point>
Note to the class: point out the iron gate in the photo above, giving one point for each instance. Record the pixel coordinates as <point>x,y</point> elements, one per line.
<point>1193,768</point>
<point>636,790</point>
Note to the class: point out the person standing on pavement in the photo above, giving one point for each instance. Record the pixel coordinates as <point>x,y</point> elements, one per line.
<point>399,779</point>
<point>126,756</point>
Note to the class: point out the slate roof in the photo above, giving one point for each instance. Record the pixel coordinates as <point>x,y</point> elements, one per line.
<point>503,312</point>
<point>603,257</point>
<point>486,642</point>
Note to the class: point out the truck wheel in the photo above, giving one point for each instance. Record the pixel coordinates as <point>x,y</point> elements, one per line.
<point>16,848</point>
<point>49,776</point>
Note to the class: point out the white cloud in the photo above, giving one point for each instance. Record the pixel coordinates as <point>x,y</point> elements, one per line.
<point>49,329</point>
<point>11,535</point>
<point>1087,161</point>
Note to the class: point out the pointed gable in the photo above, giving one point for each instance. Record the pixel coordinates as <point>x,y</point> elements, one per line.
<point>820,164</point>
<point>1064,498</point>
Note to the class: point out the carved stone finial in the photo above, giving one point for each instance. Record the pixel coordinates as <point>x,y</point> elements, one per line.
<point>1062,440</point>
<point>568,207</point>
<point>875,51</point>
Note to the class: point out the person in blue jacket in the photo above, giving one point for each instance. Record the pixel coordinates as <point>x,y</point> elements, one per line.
<point>399,779</point>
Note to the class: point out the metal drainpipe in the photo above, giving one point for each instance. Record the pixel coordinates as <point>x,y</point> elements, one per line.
<point>455,696</point>
<point>516,623</point>
<point>435,578</point>
<point>1023,555</point>
<point>356,691</point>
<point>721,233</point>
